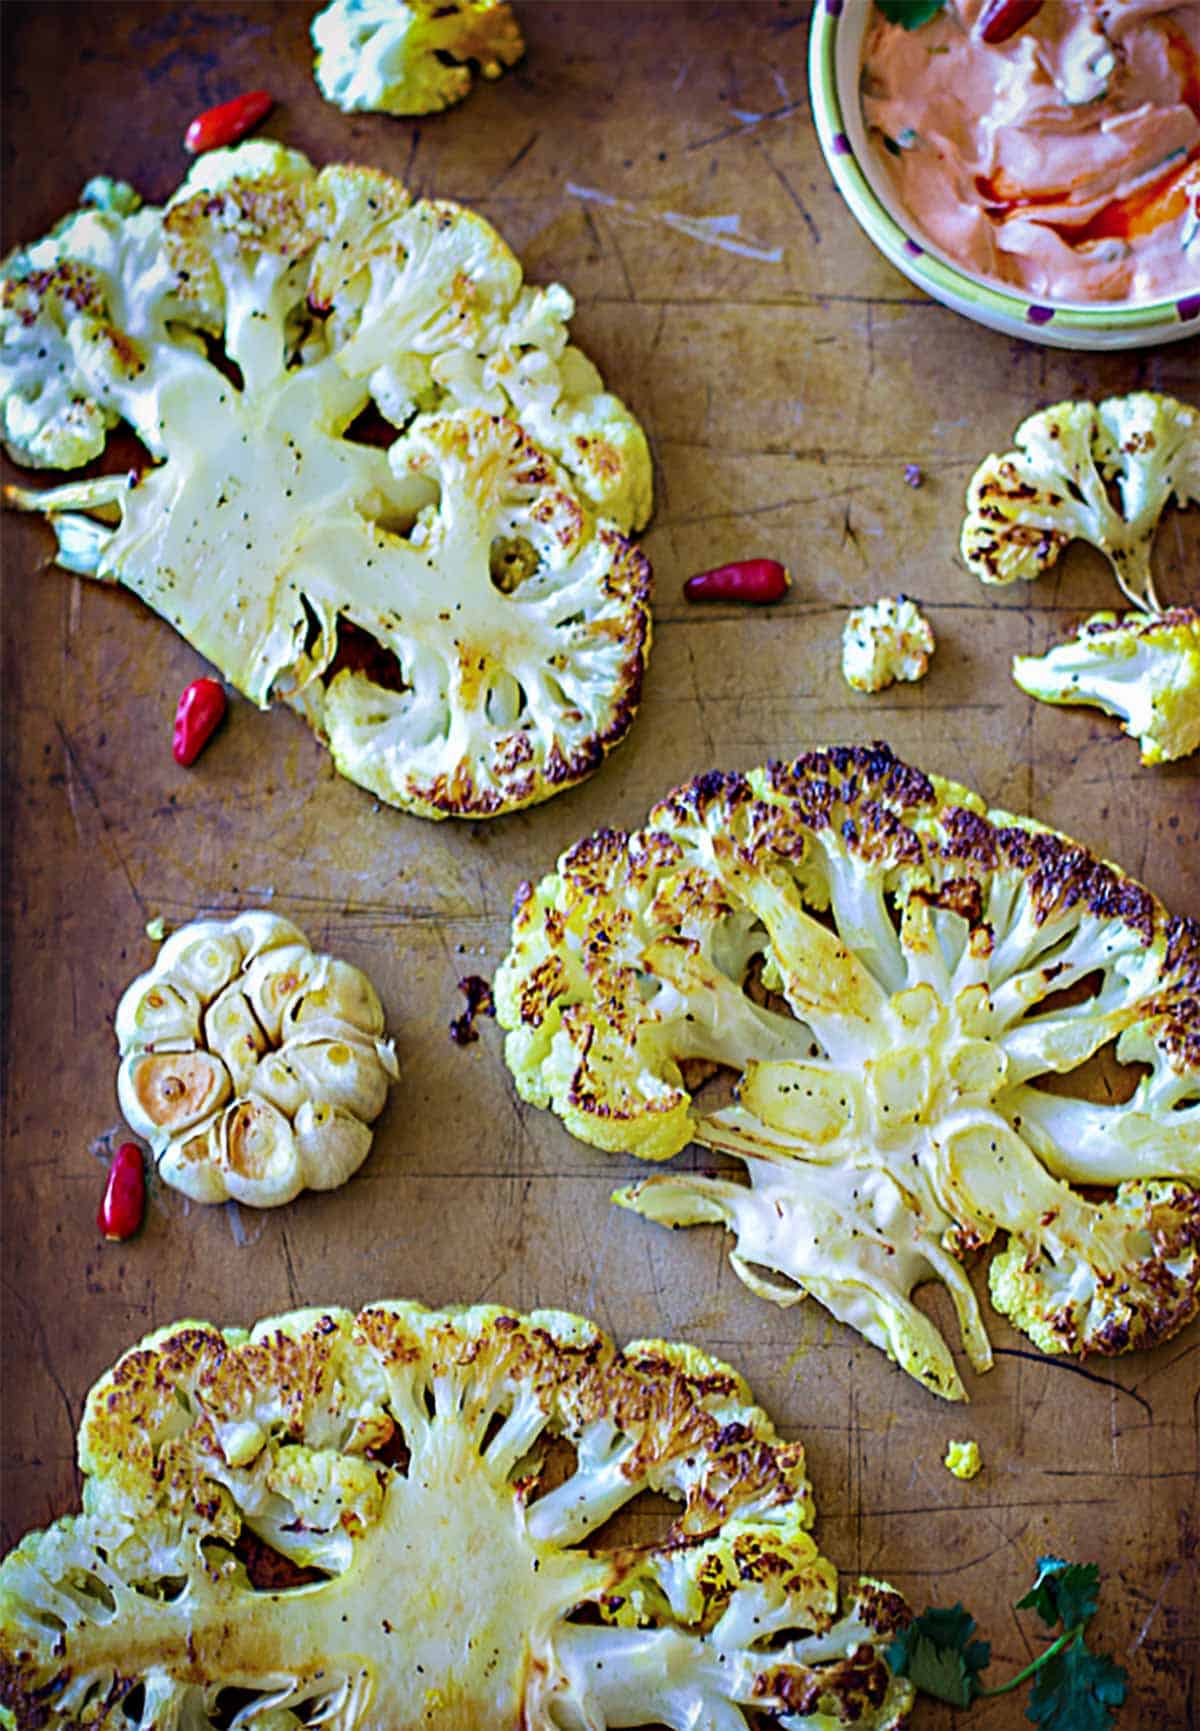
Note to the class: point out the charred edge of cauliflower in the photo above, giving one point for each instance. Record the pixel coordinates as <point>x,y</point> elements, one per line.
<point>345,1515</point>
<point>482,555</point>
<point>1142,668</point>
<point>1099,472</point>
<point>1107,1305</point>
<point>885,641</point>
<point>410,57</point>
<point>887,1109</point>
<point>253,1066</point>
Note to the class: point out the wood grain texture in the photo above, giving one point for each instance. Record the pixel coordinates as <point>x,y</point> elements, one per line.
<point>783,400</point>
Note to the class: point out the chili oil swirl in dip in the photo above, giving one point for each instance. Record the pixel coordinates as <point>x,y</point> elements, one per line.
<point>1065,159</point>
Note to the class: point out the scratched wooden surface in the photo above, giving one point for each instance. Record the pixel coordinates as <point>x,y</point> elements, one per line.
<point>784,386</point>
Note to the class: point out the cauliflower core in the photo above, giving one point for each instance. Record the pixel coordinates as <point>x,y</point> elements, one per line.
<point>888,640</point>
<point>904,983</point>
<point>1099,472</point>
<point>349,1520</point>
<point>410,56</point>
<point>252,1066</point>
<point>1143,668</point>
<point>460,615</point>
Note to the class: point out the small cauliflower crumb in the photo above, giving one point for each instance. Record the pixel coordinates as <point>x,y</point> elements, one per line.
<point>888,640</point>
<point>156,929</point>
<point>963,1460</point>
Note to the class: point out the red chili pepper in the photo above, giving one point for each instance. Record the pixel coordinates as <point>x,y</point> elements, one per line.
<point>758,580</point>
<point>124,1202</point>
<point>1001,19</point>
<point>228,122</point>
<point>196,719</point>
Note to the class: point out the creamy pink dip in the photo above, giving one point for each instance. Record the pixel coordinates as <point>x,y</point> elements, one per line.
<point>1065,160</point>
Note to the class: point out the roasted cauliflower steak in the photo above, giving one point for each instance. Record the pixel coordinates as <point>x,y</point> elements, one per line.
<point>410,56</point>
<point>390,1519</point>
<point>904,985</point>
<point>460,615</point>
<point>253,1066</point>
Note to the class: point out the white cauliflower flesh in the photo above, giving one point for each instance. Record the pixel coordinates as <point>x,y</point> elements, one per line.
<point>1143,668</point>
<point>892,973</point>
<point>888,640</point>
<point>252,1066</point>
<point>410,56</point>
<point>460,615</point>
<point>1099,472</point>
<point>362,1521</point>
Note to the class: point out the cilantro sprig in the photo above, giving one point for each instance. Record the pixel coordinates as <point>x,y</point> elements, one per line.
<point>1073,1688</point>
<point>910,13</point>
<point>937,1652</point>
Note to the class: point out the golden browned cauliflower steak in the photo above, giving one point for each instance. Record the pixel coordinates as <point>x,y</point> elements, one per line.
<point>382,485</point>
<point>907,988</point>
<point>390,1521</point>
<point>252,1066</point>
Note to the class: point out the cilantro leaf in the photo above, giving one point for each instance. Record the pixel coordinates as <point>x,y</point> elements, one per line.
<point>1066,1592</point>
<point>1076,1690</point>
<point>909,13</point>
<point>937,1652</point>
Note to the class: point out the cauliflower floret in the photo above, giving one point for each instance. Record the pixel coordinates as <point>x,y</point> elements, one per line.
<point>410,56</point>
<point>1099,472</point>
<point>78,311</point>
<point>1095,1275</point>
<point>253,1067</point>
<point>367,588</point>
<point>400,1454</point>
<point>872,951</point>
<point>888,640</point>
<point>560,397</point>
<point>104,193</point>
<point>1143,668</point>
<point>963,1460</point>
<point>256,159</point>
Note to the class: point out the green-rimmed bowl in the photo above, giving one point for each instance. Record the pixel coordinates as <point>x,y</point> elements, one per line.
<point>834,56</point>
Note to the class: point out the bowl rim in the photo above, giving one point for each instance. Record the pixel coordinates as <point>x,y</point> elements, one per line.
<point>918,258</point>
